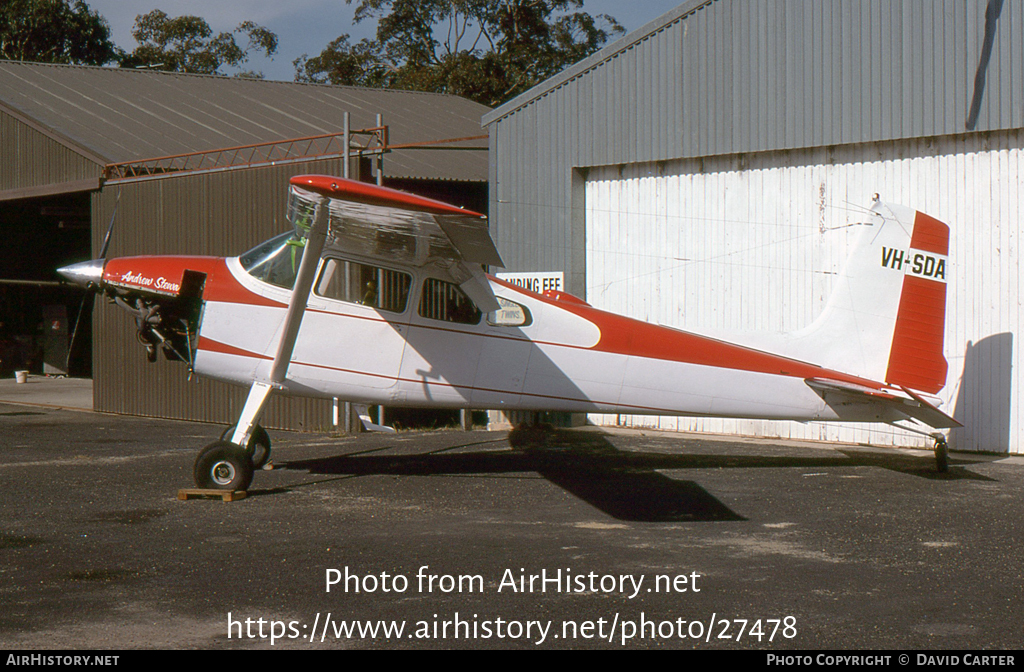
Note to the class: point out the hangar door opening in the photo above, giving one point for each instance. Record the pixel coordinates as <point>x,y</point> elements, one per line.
<point>37,310</point>
<point>755,242</point>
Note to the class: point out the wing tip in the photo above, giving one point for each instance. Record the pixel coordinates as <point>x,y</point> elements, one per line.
<point>363,192</point>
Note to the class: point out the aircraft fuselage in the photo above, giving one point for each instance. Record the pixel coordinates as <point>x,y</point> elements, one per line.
<point>547,353</point>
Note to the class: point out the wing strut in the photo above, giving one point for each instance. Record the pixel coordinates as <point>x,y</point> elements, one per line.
<point>260,390</point>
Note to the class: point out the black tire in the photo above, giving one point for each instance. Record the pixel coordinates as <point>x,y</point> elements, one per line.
<point>942,456</point>
<point>223,466</point>
<point>259,445</point>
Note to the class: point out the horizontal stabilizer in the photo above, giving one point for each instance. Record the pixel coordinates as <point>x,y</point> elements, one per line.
<point>929,414</point>
<point>860,403</point>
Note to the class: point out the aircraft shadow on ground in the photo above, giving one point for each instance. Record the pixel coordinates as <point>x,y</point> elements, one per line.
<point>626,485</point>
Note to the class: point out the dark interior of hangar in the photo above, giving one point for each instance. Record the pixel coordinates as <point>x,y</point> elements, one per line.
<point>37,311</point>
<point>469,195</point>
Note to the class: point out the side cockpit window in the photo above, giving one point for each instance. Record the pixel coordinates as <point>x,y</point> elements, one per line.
<point>352,282</point>
<point>446,302</point>
<point>511,314</point>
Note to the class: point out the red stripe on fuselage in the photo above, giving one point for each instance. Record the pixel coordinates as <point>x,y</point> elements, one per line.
<point>210,345</point>
<point>619,335</point>
<point>626,336</point>
<point>221,285</point>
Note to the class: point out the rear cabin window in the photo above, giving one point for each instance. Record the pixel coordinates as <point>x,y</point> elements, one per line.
<point>446,302</point>
<point>511,314</point>
<point>379,288</point>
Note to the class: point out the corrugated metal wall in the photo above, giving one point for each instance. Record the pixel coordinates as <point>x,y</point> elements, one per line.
<point>922,92</point>
<point>215,213</point>
<point>732,76</point>
<point>755,242</point>
<point>28,158</point>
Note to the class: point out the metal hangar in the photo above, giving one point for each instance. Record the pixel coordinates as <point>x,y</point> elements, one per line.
<point>703,172</point>
<point>190,164</point>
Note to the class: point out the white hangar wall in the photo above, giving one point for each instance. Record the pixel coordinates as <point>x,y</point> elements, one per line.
<point>754,242</point>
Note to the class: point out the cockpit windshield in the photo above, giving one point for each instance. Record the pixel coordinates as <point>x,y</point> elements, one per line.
<point>275,261</point>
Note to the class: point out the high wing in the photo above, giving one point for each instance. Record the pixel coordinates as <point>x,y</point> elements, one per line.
<point>874,354</point>
<point>381,224</point>
<point>333,214</point>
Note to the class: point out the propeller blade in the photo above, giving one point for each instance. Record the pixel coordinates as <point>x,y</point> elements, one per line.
<point>88,275</point>
<point>110,228</point>
<point>86,296</point>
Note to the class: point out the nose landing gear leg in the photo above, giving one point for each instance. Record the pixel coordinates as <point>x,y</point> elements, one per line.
<point>228,464</point>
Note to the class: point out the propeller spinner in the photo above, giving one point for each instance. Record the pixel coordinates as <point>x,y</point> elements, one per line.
<point>86,274</point>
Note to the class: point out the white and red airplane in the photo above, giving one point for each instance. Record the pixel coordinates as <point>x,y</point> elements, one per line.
<point>379,297</point>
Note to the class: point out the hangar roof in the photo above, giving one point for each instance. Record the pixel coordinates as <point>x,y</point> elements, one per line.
<point>113,115</point>
<point>737,76</point>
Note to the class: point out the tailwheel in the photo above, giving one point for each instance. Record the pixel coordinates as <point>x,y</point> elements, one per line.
<point>258,446</point>
<point>941,454</point>
<point>223,466</point>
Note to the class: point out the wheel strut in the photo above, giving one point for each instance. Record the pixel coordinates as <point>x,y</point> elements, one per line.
<point>258,446</point>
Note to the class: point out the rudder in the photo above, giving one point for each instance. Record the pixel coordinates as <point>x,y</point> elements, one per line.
<point>916,359</point>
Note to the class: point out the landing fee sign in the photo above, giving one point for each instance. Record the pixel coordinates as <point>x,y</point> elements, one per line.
<point>536,282</point>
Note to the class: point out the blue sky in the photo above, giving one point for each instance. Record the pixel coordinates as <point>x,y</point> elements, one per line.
<point>306,26</point>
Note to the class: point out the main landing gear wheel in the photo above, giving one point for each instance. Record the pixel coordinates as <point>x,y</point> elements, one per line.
<point>941,455</point>
<point>223,465</point>
<point>259,445</point>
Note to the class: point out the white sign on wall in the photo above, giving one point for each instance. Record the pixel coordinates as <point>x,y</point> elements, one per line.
<point>536,282</point>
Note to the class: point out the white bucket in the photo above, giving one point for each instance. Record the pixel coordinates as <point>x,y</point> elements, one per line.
<point>21,376</point>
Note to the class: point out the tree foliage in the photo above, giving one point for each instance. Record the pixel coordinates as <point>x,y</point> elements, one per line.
<point>486,50</point>
<point>187,44</point>
<point>54,31</point>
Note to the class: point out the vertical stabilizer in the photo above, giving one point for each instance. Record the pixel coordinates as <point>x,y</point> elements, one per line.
<point>885,319</point>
